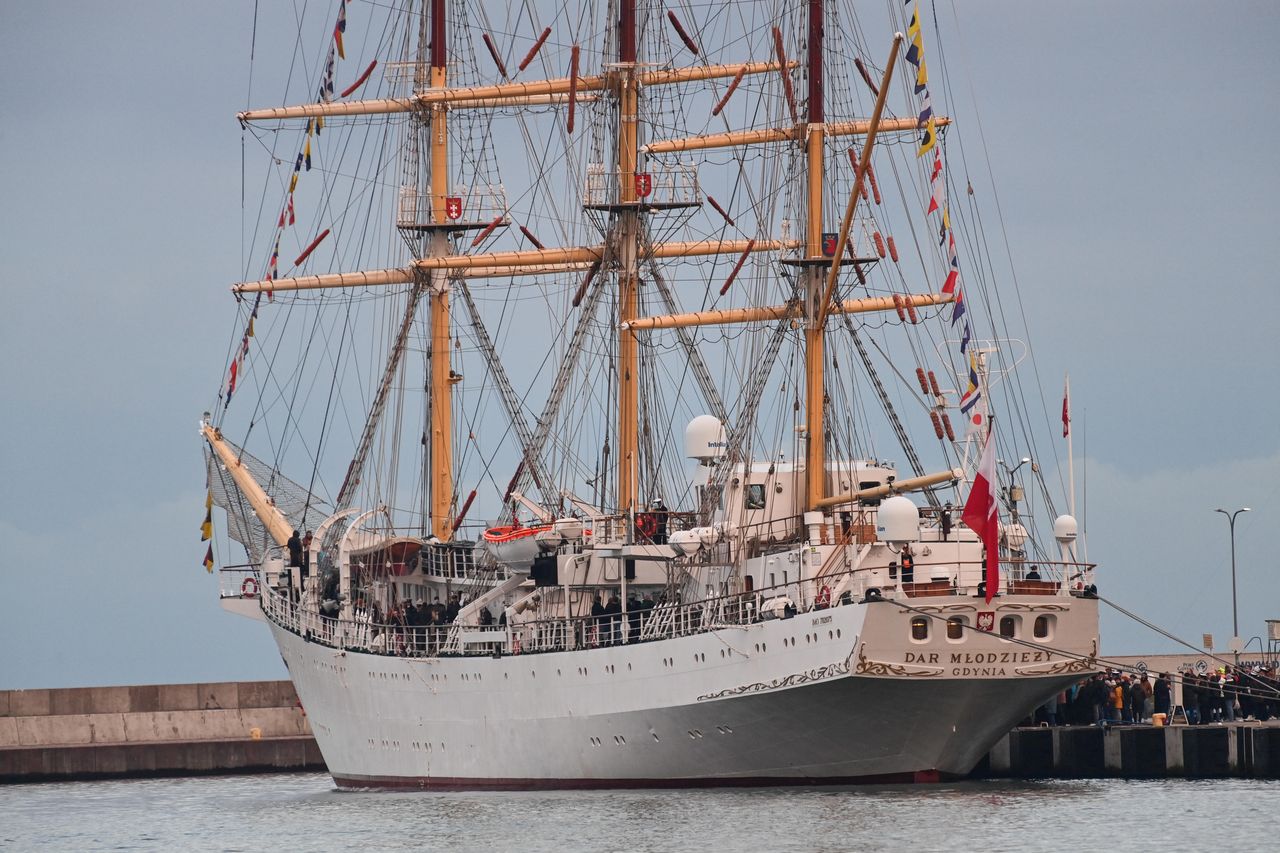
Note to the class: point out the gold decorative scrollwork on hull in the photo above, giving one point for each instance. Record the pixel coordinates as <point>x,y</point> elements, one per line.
<point>937,608</point>
<point>796,679</point>
<point>1031,608</point>
<point>1065,667</point>
<point>875,667</point>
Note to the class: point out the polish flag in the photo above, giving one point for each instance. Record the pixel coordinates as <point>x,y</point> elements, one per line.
<point>1066,407</point>
<point>980,514</point>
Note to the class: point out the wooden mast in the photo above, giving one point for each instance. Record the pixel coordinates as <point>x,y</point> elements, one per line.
<point>814,335</point>
<point>628,94</point>
<point>441,422</point>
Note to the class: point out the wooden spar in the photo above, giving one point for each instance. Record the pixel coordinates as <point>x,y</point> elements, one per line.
<point>720,210</point>
<point>359,80</point>
<point>733,84</point>
<point>866,305</point>
<point>684,36</point>
<point>909,485</point>
<point>533,51</point>
<point>311,247</point>
<point>497,57</point>
<point>462,513</point>
<point>737,267</point>
<point>522,101</point>
<point>488,229</point>
<point>263,507</point>
<point>573,87</point>
<point>734,138</point>
<point>592,269</point>
<point>537,244</point>
<point>781,53</point>
<point>591,253</point>
<point>330,280</point>
<point>555,86</point>
<point>492,265</point>
<point>866,76</point>
<point>863,162</point>
<point>441,409</point>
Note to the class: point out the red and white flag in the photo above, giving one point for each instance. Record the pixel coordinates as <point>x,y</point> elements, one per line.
<point>980,514</point>
<point>1066,407</point>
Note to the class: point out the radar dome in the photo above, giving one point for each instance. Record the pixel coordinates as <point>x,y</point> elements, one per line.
<point>704,438</point>
<point>1065,529</point>
<point>898,520</point>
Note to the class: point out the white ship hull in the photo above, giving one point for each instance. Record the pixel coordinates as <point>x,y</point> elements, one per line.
<point>832,696</point>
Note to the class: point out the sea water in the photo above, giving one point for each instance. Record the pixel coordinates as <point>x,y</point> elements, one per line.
<point>306,812</point>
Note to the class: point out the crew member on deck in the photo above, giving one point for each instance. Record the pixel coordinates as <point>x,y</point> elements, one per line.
<point>659,512</point>
<point>908,565</point>
<point>295,550</point>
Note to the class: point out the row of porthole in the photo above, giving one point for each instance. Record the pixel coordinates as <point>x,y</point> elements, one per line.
<point>385,744</point>
<point>425,746</point>
<point>391,675</point>
<point>621,740</point>
<point>1042,628</point>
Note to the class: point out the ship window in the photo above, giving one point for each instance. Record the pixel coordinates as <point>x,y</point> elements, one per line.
<point>955,628</point>
<point>920,628</point>
<point>1008,626</point>
<point>755,496</point>
<point>1043,627</point>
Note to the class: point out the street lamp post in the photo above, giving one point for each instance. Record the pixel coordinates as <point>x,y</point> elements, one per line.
<point>1235,621</point>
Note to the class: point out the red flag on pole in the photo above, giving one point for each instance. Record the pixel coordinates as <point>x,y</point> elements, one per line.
<point>980,514</point>
<point>1066,407</point>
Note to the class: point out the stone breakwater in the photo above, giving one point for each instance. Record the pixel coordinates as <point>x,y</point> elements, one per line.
<point>154,730</point>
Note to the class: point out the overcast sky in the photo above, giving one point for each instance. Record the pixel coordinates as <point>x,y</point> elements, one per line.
<point>1132,150</point>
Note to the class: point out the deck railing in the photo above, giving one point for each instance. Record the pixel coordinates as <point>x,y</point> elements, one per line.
<point>667,618</point>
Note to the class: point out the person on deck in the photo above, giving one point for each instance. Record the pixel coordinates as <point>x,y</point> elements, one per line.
<point>945,520</point>
<point>306,553</point>
<point>597,620</point>
<point>295,550</point>
<point>908,561</point>
<point>659,512</point>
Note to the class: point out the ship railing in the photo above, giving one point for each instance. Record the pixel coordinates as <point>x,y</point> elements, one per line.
<point>644,526</point>
<point>674,185</point>
<point>239,581</point>
<point>366,630</point>
<point>464,205</point>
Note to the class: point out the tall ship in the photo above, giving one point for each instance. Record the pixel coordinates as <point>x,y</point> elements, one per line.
<point>562,455</point>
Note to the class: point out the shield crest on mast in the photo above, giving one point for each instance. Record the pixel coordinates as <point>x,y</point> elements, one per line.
<point>644,184</point>
<point>453,207</point>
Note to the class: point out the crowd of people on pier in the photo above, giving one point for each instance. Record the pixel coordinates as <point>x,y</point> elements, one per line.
<point>1115,698</point>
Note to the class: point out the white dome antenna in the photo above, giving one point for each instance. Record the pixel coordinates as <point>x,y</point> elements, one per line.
<point>705,440</point>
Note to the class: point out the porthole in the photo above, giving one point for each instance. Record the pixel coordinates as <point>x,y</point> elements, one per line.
<point>1043,627</point>
<point>1009,626</point>
<point>955,628</point>
<point>919,628</point>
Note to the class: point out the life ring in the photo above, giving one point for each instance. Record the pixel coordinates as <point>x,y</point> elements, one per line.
<point>824,598</point>
<point>647,524</point>
<point>249,589</point>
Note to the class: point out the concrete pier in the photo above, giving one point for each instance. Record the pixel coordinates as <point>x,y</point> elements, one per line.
<point>154,730</point>
<point>1136,752</point>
